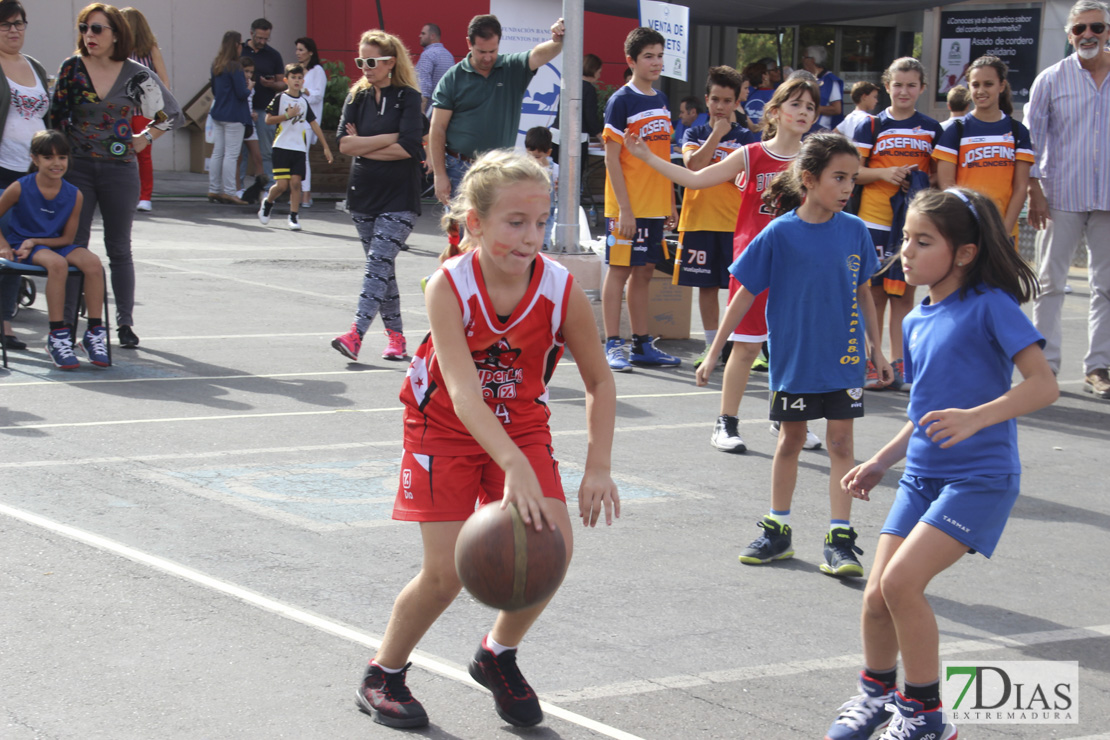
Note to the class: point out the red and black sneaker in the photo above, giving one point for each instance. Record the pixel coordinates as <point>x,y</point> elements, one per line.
<point>386,698</point>
<point>516,703</point>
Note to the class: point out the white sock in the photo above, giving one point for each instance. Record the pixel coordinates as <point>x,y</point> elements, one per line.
<point>387,670</point>
<point>495,647</point>
<point>782,517</point>
<point>710,335</point>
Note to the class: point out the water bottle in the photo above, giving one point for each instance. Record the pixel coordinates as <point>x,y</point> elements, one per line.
<point>592,215</point>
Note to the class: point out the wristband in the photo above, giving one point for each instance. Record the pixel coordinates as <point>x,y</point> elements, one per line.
<point>148,137</point>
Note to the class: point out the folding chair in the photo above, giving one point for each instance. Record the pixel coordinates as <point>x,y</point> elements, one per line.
<point>7,267</point>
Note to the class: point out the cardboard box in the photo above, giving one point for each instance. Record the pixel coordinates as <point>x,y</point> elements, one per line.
<point>669,308</point>
<point>199,149</point>
<point>196,110</point>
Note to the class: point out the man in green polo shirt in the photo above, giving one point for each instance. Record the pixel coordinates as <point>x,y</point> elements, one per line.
<point>476,105</point>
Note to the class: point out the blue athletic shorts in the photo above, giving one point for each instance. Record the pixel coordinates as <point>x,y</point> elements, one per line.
<point>971,510</point>
<point>703,259</point>
<point>646,248</point>
<point>60,251</point>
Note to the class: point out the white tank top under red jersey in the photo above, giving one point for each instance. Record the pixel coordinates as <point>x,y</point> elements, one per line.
<point>761,166</point>
<point>514,359</point>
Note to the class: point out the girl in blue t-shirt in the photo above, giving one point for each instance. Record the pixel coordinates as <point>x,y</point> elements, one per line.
<point>960,445</point>
<point>816,262</point>
<point>45,211</point>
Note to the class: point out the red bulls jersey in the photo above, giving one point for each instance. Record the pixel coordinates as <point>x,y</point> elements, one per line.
<point>761,166</point>
<point>514,360</point>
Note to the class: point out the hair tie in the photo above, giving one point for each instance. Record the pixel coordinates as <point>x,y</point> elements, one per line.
<point>967,202</point>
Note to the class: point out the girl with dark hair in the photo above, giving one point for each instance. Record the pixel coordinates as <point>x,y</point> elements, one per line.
<point>962,471</point>
<point>98,90</point>
<point>230,117</point>
<point>787,117</point>
<point>145,51</point>
<point>315,82</point>
<point>818,261</point>
<point>24,101</point>
<point>988,151</point>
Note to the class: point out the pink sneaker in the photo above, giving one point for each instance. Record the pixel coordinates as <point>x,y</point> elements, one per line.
<point>348,344</point>
<point>395,350</point>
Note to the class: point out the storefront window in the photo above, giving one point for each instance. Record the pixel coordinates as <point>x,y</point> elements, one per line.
<point>753,46</point>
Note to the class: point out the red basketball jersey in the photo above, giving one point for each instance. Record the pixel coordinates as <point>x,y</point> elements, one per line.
<point>514,359</point>
<point>761,166</point>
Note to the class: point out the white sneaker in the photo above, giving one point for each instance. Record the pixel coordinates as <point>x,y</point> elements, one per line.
<point>294,224</point>
<point>144,205</point>
<point>726,435</point>
<point>813,442</point>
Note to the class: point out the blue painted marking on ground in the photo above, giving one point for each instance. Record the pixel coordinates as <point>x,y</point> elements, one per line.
<point>346,492</point>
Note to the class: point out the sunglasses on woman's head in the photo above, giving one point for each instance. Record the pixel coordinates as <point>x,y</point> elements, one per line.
<point>1079,28</point>
<point>96,28</point>
<point>369,62</point>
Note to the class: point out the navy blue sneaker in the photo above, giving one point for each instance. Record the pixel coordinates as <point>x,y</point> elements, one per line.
<point>615,354</point>
<point>59,345</point>
<point>864,713</point>
<point>386,698</point>
<point>516,703</point>
<point>773,544</point>
<point>650,355</point>
<point>95,345</point>
<point>910,721</point>
<point>840,554</point>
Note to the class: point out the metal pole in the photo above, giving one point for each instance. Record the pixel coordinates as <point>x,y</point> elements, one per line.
<point>570,128</point>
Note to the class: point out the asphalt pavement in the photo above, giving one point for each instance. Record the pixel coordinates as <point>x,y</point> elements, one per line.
<point>197,542</point>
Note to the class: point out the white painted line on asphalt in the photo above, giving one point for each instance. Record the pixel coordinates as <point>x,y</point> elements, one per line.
<point>836,662</point>
<point>98,381</point>
<point>427,662</point>
<point>277,414</point>
<point>7,464</point>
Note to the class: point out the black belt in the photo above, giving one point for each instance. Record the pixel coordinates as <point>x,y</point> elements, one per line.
<point>463,157</point>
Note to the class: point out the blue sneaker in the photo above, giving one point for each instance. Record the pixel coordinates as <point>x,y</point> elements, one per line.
<point>773,544</point>
<point>615,354</point>
<point>910,721</point>
<point>649,355</point>
<point>59,345</point>
<point>864,713</point>
<point>840,554</point>
<point>95,345</point>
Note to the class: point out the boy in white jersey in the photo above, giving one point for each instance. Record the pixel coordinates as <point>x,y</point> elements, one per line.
<point>290,112</point>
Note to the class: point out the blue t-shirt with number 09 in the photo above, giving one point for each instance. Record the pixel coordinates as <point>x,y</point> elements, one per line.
<point>815,326</point>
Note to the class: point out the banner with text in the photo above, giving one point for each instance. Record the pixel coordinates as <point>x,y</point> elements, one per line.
<point>673,21</point>
<point>524,24</point>
<point>1010,35</point>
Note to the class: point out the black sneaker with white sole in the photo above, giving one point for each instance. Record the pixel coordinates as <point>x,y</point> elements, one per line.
<point>515,700</point>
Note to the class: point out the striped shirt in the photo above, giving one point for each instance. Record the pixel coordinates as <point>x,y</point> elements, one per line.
<point>1069,120</point>
<point>434,61</point>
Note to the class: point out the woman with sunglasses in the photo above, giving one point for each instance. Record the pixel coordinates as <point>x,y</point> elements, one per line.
<point>24,100</point>
<point>97,91</point>
<point>382,128</point>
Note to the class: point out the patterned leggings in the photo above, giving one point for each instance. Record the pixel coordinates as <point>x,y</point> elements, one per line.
<point>382,237</point>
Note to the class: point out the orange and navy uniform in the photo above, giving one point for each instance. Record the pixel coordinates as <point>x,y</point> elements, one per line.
<point>888,142</point>
<point>986,155</point>
<point>630,111</point>
<point>715,208</point>
<point>515,359</point>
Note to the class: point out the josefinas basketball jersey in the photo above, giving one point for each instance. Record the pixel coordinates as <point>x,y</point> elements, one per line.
<point>761,166</point>
<point>514,359</point>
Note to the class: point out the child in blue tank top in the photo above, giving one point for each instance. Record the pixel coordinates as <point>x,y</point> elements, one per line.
<point>960,444</point>
<point>45,210</point>
<point>816,263</point>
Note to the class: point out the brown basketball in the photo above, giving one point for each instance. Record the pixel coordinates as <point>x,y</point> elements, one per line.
<point>505,563</point>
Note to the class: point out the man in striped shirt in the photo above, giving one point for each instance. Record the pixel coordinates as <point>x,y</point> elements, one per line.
<point>433,62</point>
<point>1069,186</point>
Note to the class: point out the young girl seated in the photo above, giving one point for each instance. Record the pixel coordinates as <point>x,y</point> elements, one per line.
<point>45,209</point>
